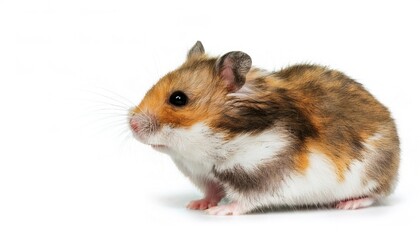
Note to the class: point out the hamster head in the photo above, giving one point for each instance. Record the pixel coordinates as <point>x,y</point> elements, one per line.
<point>192,94</point>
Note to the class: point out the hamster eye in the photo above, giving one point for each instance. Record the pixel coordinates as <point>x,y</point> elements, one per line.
<point>178,99</point>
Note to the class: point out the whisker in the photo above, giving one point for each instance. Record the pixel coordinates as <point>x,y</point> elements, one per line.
<point>129,104</point>
<point>111,114</point>
<point>118,124</point>
<point>124,131</point>
<point>100,116</point>
<point>115,130</point>
<point>106,122</point>
<point>119,95</point>
<point>108,114</point>
<point>115,120</point>
<point>104,110</point>
<point>106,106</point>
<point>119,107</point>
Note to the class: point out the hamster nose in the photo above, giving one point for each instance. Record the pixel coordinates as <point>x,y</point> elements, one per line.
<point>134,125</point>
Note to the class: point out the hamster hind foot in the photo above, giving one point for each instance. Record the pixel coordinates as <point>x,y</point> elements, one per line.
<point>232,208</point>
<point>353,204</point>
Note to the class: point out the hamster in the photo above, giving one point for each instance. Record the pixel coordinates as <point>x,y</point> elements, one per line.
<point>303,136</point>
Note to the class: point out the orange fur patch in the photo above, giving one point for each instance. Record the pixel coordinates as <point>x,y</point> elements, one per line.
<point>194,78</point>
<point>301,162</point>
<point>309,86</point>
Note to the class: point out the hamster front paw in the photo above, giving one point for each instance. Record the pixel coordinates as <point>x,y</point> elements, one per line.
<point>214,193</point>
<point>202,204</point>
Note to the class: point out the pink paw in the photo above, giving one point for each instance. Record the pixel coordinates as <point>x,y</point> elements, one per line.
<point>201,204</point>
<point>228,209</point>
<point>355,203</point>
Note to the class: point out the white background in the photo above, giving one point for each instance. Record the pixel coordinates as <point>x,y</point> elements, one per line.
<point>69,168</point>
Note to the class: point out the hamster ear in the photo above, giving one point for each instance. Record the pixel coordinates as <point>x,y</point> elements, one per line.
<point>196,51</point>
<point>232,69</point>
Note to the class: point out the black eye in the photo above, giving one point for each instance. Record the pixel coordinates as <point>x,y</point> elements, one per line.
<point>178,99</point>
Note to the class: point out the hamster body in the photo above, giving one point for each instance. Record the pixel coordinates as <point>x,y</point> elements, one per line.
<point>303,136</point>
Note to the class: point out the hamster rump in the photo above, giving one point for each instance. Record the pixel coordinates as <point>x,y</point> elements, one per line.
<point>303,136</point>
<point>342,146</point>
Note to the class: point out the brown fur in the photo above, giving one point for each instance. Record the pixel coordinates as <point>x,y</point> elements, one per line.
<point>384,165</point>
<point>320,109</point>
<point>265,177</point>
<point>323,110</point>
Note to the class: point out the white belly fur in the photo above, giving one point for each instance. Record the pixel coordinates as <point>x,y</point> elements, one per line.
<point>318,185</point>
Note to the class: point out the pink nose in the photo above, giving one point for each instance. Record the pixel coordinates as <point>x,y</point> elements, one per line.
<point>134,124</point>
